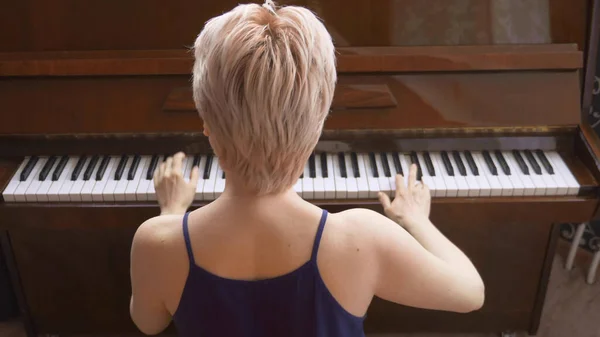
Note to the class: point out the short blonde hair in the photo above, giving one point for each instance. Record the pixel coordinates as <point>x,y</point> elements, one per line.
<point>263,82</point>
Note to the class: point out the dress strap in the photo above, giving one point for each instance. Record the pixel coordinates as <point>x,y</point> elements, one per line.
<point>186,237</point>
<point>318,236</point>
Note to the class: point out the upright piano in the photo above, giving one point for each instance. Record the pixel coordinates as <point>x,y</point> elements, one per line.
<point>483,95</point>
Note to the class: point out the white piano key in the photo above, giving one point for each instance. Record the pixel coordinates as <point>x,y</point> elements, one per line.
<point>485,172</point>
<point>351,184</point>
<point>319,181</point>
<point>54,193</point>
<point>200,185</point>
<point>187,167</point>
<point>329,182</point>
<point>340,182</point>
<point>438,179</point>
<point>108,193</point>
<point>220,181</point>
<point>97,192</point>
<point>151,192</point>
<point>382,180</point>
<point>426,177</point>
<point>549,183</point>
<point>461,182</point>
<point>560,166</point>
<point>75,191</point>
<point>472,182</point>
<point>308,189</point>
<point>535,181</point>
<point>141,192</point>
<point>561,185</point>
<point>41,194</point>
<point>35,182</point>
<point>20,193</point>
<point>405,164</point>
<point>140,175</point>
<point>478,177</point>
<point>208,192</point>
<point>366,188</point>
<point>371,179</point>
<point>503,178</point>
<point>9,190</point>
<point>518,180</point>
<point>449,181</point>
<point>88,186</point>
<point>121,184</point>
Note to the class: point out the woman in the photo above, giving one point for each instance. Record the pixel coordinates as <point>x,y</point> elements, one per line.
<point>259,260</point>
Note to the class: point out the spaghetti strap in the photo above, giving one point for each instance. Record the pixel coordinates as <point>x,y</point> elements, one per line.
<point>186,237</point>
<point>318,236</point>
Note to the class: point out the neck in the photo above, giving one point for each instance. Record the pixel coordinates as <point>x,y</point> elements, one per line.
<point>234,189</point>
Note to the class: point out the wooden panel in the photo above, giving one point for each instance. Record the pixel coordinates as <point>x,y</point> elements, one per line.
<point>367,59</point>
<point>38,25</point>
<point>432,100</point>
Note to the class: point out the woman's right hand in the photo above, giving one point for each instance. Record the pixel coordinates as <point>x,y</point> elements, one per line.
<point>411,203</point>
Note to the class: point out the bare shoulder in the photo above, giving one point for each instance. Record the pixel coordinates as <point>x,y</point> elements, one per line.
<point>366,222</point>
<point>159,232</point>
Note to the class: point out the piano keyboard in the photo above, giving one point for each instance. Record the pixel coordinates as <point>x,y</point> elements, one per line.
<point>326,176</point>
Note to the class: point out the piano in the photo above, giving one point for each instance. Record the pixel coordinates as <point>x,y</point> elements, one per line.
<point>492,116</point>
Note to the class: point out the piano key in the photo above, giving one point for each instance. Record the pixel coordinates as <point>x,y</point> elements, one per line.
<point>385,165</point>
<point>220,181</point>
<point>521,163</point>
<point>47,168</point>
<point>542,157</point>
<point>138,176</point>
<point>519,182</point>
<point>28,168</point>
<point>121,167</point>
<point>152,167</point>
<point>383,180</point>
<point>484,180</point>
<point>35,181</point>
<point>339,176</point>
<point>90,168</point>
<point>133,168</point>
<point>446,163</point>
<point>200,186</point>
<point>532,162</point>
<point>501,161</point>
<point>539,185</point>
<point>362,183</point>
<point>415,160</point>
<point>444,170</point>
<point>56,192</point>
<point>428,164</point>
<point>427,178</point>
<point>489,162</point>
<point>470,178</point>
<point>9,190</point>
<point>396,160</point>
<point>308,191</point>
<point>98,191</point>
<point>523,173</point>
<point>77,186</point>
<point>354,160</point>
<point>208,166</point>
<point>461,183</point>
<point>503,178</point>
<point>60,167</point>
<point>208,192</point>
<point>438,179</point>
<point>196,161</point>
<point>472,165</point>
<point>561,168</point>
<point>459,163</point>
<point>549,183</point>
<point>372,180</point>
<point>108,193</point>
<point>187,168</point>
<point>324,166</point>
<point>562,187</point>
<point>351,184</point>
<point>102,168</point>
<point>373,165</point>
<point>78,167</point>
<point>319,180</point>
<point>329,179</point>
<point>312,171</point>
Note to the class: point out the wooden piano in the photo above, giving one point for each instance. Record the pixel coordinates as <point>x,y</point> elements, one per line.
<point>94,94</point>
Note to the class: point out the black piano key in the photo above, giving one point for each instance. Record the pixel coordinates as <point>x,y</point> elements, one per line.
<point>196,161</point>
<point>60,168</point>
<point>90,168</point>
<point>47,167</point>
<point>342,163</point>
<point>373,165</point>
<point>121,167</point>
<point>28,167</point>
<point>385,165</point>
<point>447,163</point>
<point>397,165</point>
<point>312,166</point>
<point>133,167</point>
<point>471,163</point>
<point>429,163</point>
<point>520,162</point>
<point>534,164</point>
<point>78,168</point>
<point>209,160</point>
<point>490,163</point>
<point>542,157</point>
<point>502,162</point>
<point>102,168</point>
<point>414,159</point>
<point>223,175</point>
<point>354,161</point>
<point>459,163</point>
<point>324,170</point>
<point>152,167</point>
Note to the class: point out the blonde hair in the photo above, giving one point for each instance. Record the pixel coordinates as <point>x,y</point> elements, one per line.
<point>263,82</point>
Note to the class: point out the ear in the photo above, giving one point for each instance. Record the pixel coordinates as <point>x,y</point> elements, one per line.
<point>206,131</point>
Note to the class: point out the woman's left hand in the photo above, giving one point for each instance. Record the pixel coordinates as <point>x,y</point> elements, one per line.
<point>173,193</point>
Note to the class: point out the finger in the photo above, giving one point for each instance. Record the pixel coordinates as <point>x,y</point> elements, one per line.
<point>384,200</point>
<point>158,174</point>
<point>168,167</point>
<point>412,176</point>
<point>400,187</point>
<point>195,176</point>
<point>178,162</point>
